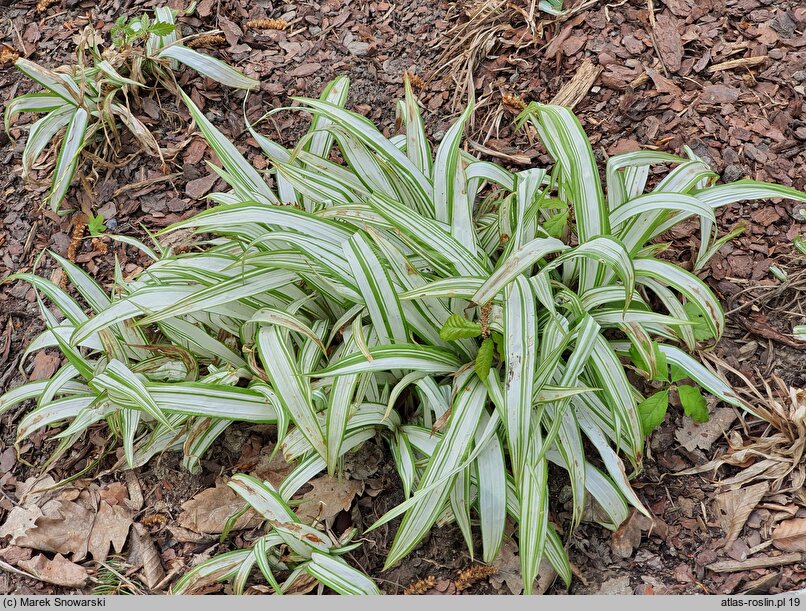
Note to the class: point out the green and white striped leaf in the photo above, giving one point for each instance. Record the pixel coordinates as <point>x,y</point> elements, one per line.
<point>209,66</point>
<point>69,154</point>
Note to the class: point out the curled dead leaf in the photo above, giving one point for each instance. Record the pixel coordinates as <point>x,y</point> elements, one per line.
<point>734,507</point>
<point>790,535</point>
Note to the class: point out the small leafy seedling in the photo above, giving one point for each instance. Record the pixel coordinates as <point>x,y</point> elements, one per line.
<point>95,225</point>
<point>652,410</point>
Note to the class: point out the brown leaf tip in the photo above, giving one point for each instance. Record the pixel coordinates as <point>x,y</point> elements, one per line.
<point>415,79</point>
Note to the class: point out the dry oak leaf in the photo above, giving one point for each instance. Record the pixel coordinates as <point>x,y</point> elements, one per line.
<point>508,564</point>
<point>19,521</point>
<point>64,528</point>
<point>59,571</point>
<point>735,506</point>
<point>110,527</point>
<point>790,535</point>
<point>115,493</point>
<point>208,511</point>
<point>693,435</point>
<point>328,497</point>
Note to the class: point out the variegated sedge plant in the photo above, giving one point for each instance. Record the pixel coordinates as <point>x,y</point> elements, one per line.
<point>481,322</point>
<point>87,100</point>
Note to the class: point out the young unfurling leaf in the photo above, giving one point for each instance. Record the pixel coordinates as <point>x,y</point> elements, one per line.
<point>484,358</point>
<point>459,327</point>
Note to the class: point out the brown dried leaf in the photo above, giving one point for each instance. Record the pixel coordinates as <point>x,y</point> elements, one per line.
<point>134,491</point>
<point>273,469</point>
<point>18,522</point>
<point>114,494</point>
<point>735,506</point>
<point>111,526</point>
<point>693,435</point>
<point>508,564</point>
<point>790,536</point>
<point>628,536</point>
<point>185,535</point>
<point>59,571</point>
<point>144,554</point>
<point>208,511</point>
<point>64,528</point>
<point>328,497</point>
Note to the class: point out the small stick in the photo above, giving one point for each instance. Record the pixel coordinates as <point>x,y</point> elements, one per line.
<point>732,566</point>
<point>738,63</point>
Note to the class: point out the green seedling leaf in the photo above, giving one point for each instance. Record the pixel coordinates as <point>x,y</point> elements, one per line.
<point>162,29</point>
<point>499,344</point>
<point>459,327</point>
<point>555,226</point>
<point>484,358</point>
<point>694,404</point>
<point>700,328</point>
<point>652,410</point>
<point>662,374</point>
<point>95,225</point>
<point>678,373</point>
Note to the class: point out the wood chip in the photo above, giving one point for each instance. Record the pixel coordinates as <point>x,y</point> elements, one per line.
<point>669,43</point>
<point>744,62</point>
<point>575,90</point>
<point>731,566</point>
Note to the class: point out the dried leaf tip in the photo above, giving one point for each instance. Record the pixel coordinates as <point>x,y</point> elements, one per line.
<point>8,55</point>
<point>79,225</point>
<point>266,24</point>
